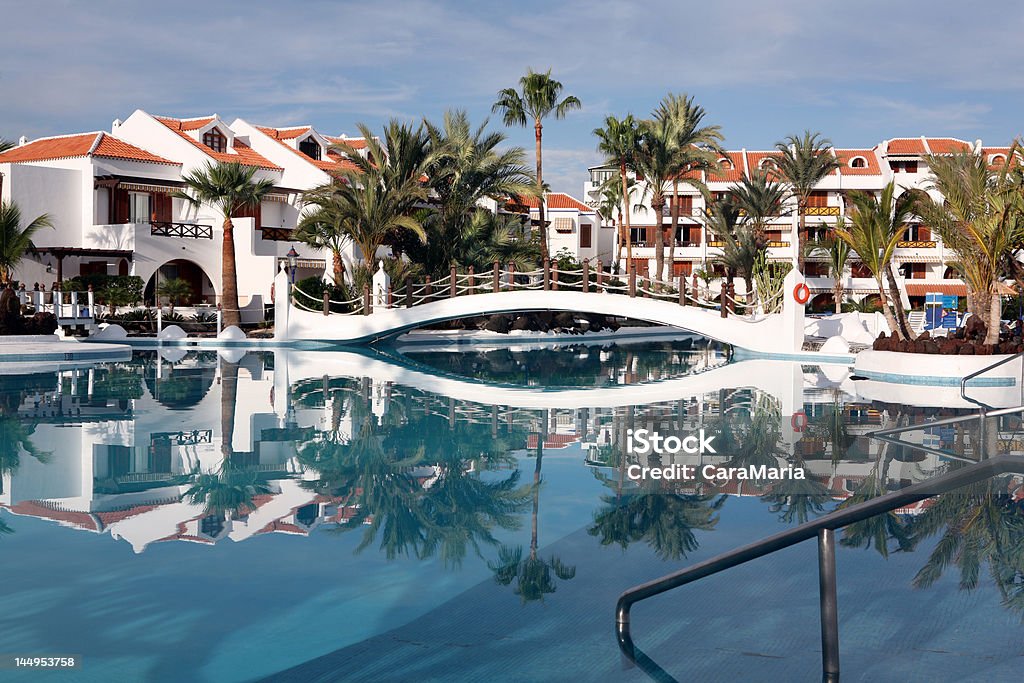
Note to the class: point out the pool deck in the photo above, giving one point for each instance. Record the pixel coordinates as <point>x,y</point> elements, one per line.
<point>28,352</point>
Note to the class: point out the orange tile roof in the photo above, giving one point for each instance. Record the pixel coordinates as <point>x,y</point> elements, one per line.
<point>32,508</point>
<point>354,143</point>
<point>905,146</point>
<point>334,162</point>
<point>988,152</point>
<point>97,144</point>
<point>948,146</point>
<point>845,155</point>
<point>938,287</point>
<point>731,175</point>
<point>555,200</point>
<point>243,153</point>
<point>754,160</point>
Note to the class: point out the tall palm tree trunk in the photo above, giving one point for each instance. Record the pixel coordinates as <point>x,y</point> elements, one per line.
<point>897,305</point>
<point>540,192</point>
<point>995,315</point>
<point>228,400</point>
<point>801,227</point>
<point>837,295</point>
<point>658,204</point>
<point>536,490</point>
<point>890,319</point>
<point>339,267</point>
<point>625,202</point>
<point>229,276</point>
<point>675,226</point>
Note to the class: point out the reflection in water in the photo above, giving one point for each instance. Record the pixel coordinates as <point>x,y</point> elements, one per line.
<point>203,450</point>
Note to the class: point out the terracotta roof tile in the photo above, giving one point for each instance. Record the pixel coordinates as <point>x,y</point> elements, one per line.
<point>905,146</point>
<point>243,153</point>
<point>949,288</point>
<point>728,175</point>
<point>82,520</point>
<point>847,155</point>
<point>354,143</point>
<point>555,200</point>
<point>948,146</point>
<point>334,162</point>
<point>97,144</point>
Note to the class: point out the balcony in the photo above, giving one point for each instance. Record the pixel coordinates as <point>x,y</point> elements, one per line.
<point>194,231</point>
<point>271,234</point>
<point>821,211</point>
<point>916,245</point>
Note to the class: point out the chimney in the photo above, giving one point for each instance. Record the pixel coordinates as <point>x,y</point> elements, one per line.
<point>22,141</point>
<point>115,126</point>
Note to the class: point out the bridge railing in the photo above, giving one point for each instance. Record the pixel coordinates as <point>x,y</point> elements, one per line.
<point>589,278</point>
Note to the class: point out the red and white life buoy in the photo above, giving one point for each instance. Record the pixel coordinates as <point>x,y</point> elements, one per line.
<point>798,421</point>
<point>801,294</point>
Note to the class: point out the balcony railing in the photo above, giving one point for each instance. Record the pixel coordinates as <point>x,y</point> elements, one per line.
<point>193,231</point>
<point>778,244</point>
<point>916,245</point>
<point>821,211</point>
<point>277,234</point>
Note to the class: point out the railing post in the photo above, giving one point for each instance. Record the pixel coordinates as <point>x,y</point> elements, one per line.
<point>511,276</point>
<point>732,298</point>
<point>586,275</point>
<point>829,604</point>
<point>547,274</point>
<point>220,321</point>
<point>496,277</point>
<point>367,301</point>
<point>451,285</point>
<point>327,302</point>
<point>600,275</point>
<point>430,288</point>
<point>632,279</point>
<point>554,279</point>
<point>723,305</point>
<point>472,280</point>
<point>57,302</point>
<point>682,290</point>
<point>408,292</point>
<point>159,320</point>
<point>91,298</point>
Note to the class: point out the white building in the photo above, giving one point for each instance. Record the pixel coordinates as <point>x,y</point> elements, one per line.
<point>921,259</point>
<point>573,226</point>
<point>109,196</point>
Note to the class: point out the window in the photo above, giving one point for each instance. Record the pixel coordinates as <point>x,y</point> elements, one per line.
<point>903,166</point>
<point>138,207</point>
<point>585,241</point>
<point>860,270</point>
<point>215,140</point>
<point>638,235</point>
<point>997,160</point>
<point>725,164</point>
<point>913,271</point>
<point>768,165</point>
<point>817,200</point>
<point>858,162</point>
<point>917,233</point>
<point>311,148</point>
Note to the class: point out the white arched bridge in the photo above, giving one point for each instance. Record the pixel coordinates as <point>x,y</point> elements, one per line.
<point>385,312</point>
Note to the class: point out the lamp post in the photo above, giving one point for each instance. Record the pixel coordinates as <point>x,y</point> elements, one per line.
<point>293,259</point>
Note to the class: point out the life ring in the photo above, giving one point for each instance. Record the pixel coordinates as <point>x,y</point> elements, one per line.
<point>801,294</point>
<point>798,421</point>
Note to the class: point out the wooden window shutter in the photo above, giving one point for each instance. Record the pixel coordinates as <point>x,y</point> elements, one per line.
<point>585,235</point>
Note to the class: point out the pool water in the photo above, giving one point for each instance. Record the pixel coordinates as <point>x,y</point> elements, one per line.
<point>343,516</point>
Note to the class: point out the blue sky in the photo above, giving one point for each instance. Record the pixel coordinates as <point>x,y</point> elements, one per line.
<point>856,71</point>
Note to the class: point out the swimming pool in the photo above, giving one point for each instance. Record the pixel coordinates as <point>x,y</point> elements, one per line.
<point>350,516</point>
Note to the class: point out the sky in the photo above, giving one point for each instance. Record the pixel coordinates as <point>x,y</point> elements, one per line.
<point>858,72</point>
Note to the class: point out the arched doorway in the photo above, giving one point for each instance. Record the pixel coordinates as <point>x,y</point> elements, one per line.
<point>200,284</point>
<point>823,303</point>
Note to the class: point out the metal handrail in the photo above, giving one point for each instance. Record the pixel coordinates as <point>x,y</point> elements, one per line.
<point>963,382</point>
<point>824,528</point>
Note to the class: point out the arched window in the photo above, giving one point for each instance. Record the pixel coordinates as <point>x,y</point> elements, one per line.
<point>311,148</point>
<point>215,140</point>
<point>858,162</point>
<point>725,164</point>
<point>997,160</point>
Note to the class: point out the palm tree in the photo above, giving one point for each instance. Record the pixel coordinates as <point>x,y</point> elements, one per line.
<point>617,141</point>
<point>759,198</point>
<point>981,219</point>
<point>837,253</point>
<point>538,99</point>
<point>697,149</point>
<point>326,227</point>
<point>493,237</point>
<point>656,160</point>
<point>803,162</point>
<point>175,290</point>
<point>467,166</point>
<point>16,240</point>
<point>611,203</point>
<point>721,219</point>
<point>664,520</point>
<point>5,145</point>
<point>229,188</point>
<point>874,228</point>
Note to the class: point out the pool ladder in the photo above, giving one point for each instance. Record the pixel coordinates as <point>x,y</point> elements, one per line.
<point>823,529</point>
